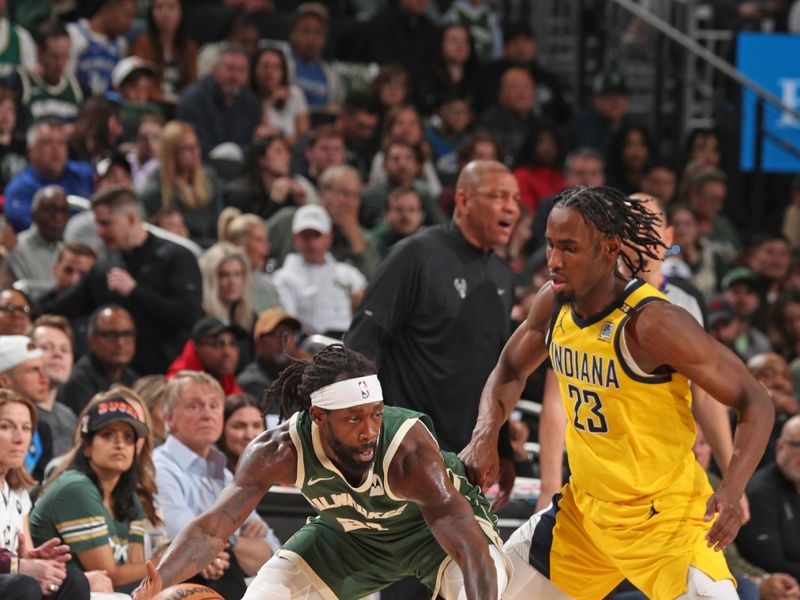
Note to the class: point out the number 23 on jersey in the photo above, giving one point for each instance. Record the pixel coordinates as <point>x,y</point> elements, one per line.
<point>588,410</point>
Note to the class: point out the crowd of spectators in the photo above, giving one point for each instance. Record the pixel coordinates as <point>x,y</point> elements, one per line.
<point>184,212</point>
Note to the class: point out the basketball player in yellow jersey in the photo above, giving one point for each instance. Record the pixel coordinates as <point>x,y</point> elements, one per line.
<point>637,506</point>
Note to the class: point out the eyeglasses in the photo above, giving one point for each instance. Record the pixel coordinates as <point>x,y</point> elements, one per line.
<point>113,336</point>
<point>12,308</point>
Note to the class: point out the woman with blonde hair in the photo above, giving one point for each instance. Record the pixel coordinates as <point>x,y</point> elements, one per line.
<point>226,285</point>
<point>150,388</point>
<point>249,232</point>
<point>184,183</point>
<point>227,293</point>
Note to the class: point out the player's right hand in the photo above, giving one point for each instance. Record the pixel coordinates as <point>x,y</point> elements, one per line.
<point>481,461</point>
<point>150,586</point>
<point>726,506</point>
<point>505,482</point>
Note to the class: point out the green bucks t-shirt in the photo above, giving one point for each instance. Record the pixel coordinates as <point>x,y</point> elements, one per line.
<point>72,509</point>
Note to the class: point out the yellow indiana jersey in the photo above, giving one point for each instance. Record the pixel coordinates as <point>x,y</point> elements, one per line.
<point>629,433</point>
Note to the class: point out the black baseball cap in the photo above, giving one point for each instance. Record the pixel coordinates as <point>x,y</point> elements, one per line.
<point>719,311</point>
<point>114,409</point>
<point>609,82</point>
<point>210,326</point>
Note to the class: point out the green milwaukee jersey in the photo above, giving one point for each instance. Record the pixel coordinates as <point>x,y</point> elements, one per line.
<point>40,100</point>
<point>365,537</point>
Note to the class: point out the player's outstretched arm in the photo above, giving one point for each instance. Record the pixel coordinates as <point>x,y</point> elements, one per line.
<point>269,459</point>
<point>666,334</point>
<point>417,473</point>
<point>524,351</point>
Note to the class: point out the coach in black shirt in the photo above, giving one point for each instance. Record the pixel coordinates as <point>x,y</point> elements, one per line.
<point>157,281</point>
<point>436,314</point>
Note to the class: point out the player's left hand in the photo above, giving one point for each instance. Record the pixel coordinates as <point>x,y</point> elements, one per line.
<point>727,507</point>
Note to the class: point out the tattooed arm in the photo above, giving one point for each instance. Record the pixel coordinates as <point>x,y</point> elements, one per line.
<point>267,460</point>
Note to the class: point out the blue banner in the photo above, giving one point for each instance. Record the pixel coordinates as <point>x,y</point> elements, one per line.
<point>772,60</point>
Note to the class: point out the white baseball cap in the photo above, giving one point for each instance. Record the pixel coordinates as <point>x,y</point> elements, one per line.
<point>127,66</point>
<point>15,350</point>
<point>311,216</point>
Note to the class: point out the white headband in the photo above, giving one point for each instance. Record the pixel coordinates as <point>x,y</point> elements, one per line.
<point>347,393</point>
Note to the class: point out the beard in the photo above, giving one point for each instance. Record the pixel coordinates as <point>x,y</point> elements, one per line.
<point>564,298</point>
<point>345,456</point>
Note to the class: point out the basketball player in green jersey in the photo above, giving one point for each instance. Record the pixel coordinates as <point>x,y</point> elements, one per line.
<point>390,504</point>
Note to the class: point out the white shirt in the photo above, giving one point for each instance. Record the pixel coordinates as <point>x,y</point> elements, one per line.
<point>188,485</point>
<point>320,296</point>
<point>284,119</point>
<point>14,507</point>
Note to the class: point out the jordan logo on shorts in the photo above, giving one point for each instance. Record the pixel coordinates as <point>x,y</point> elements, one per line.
<point>376,489</point>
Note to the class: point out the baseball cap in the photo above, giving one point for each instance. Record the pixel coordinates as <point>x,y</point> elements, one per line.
<point>114,409</point>
<point>15,350</point>
<point>316,9</point>
<point>269,319</point>
<point>739,275</point>
<point>103,166</point>
<point>209,326</point>
<point>609,82</point>
<point>127,67</point>
<point>311,216</point>
<point>719,309</point>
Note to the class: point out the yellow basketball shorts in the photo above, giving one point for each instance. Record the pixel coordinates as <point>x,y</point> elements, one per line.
<point>586,547</point>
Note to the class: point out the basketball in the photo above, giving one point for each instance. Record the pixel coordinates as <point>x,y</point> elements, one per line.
<point>188,591</point>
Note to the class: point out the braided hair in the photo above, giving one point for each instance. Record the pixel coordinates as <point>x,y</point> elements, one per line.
<point>614,214</point>
<point>291,391</point>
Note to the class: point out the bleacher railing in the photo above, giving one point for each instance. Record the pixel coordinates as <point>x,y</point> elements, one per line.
<point>701,53</point>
